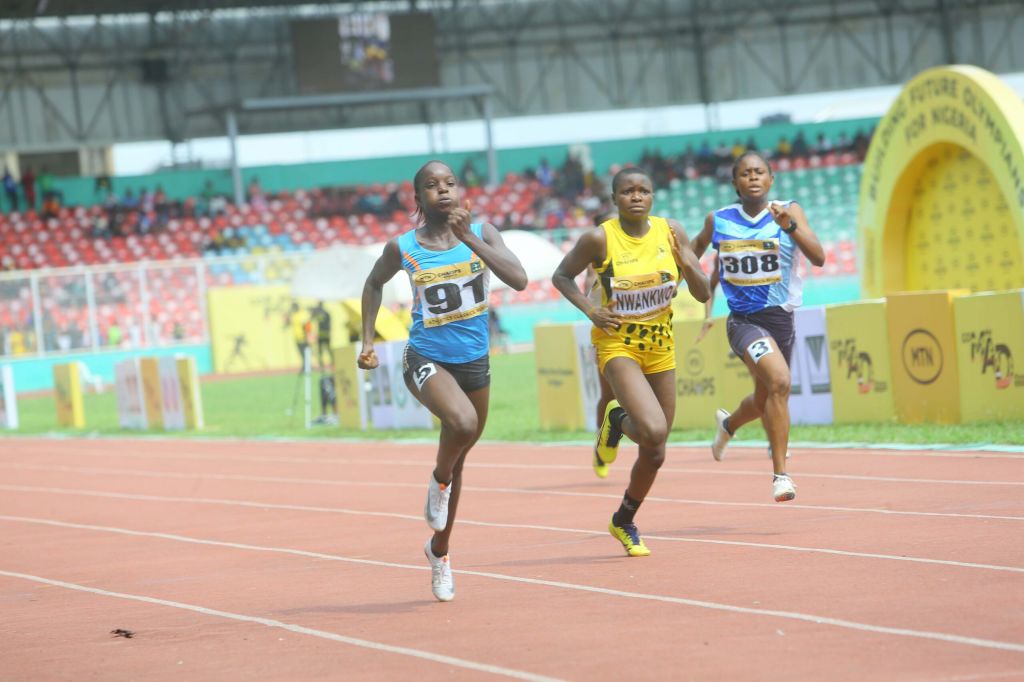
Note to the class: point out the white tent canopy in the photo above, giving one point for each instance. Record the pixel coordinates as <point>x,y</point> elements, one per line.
<point>339,272</point>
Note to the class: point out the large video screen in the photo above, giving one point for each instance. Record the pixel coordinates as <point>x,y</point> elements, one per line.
<point>364,51</point>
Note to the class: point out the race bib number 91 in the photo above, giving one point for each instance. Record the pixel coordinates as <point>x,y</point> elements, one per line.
<point>750,262</point>
<point>452,292</point>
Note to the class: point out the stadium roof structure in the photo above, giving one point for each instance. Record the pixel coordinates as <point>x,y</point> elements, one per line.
<point>28,9</point>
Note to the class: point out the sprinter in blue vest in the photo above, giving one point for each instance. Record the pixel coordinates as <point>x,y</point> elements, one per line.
<point>446,365</point>
<point>759,244</point>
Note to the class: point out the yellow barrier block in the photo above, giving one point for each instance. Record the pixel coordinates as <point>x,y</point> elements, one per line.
<point>67,385</point>
<point>859,363</point>
<point>559,397</point>
<point>990,334</point>
<point>348,387</point>
<point>191,398</point>
<point>708,374</point>
<point>152,392</point>
<point>922,347</point>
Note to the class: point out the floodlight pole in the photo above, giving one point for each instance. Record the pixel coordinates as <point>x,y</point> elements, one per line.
<point>236,172</point>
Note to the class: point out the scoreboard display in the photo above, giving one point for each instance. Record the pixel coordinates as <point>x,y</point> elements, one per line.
<point>364,51</point>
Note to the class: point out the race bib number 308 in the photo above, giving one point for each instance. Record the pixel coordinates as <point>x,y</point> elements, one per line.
<point>750,262</point>
<point>452,292</point>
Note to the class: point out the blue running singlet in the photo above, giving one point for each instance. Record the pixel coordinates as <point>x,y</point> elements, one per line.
<point>450,300</point>
<point>757,261</point>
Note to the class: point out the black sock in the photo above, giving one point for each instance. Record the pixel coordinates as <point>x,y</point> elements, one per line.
<point>615,418</point>
<point>725,425</point>
<point>627,510</point>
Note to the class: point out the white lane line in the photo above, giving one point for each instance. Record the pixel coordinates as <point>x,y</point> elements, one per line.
<point>510,491</point>
<point>716,606</point>
<point>299,629</point>
<point>525,526</point>
<point>530,467</point>
<point>577,531</point>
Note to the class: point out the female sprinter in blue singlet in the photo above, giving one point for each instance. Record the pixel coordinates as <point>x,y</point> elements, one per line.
<point>759,243</point>
<point>446,364</point>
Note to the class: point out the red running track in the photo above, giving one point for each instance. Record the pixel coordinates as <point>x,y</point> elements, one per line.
<point>303,560</point>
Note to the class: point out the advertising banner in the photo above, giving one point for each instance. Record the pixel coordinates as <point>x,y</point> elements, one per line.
<point>859,363</point>
<point>990,355</point>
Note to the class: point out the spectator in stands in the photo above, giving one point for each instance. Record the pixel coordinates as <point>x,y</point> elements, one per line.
<point>822,145</point>
<point>161,206</point>
<point>129,200</point>
<point>51,206</point>
<point>76,334</point>
<point>255,195</point>
<point>800,146</point>
<point>146,201</point>
<point>860,144</point>
<point>49,332</point>
<point>100,226</point>
<point>545,176</point>
<point>28,187</point>
<point>103,185</point>
<point>11,188</point>
<point>470,176</point>
<point>46,185</point>
<point>685,165</point>
<point>751,144</point>
<point>843,142</point>
<point>783,148</point>
<point>737,149</point>
<point>64,340</point>
<point>254,191</point>
<point>114,335</point>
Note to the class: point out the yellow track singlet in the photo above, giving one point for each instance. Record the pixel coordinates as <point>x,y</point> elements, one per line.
<point>640,275</point>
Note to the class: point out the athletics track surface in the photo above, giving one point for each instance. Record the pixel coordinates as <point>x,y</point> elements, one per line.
<point>303,560</point>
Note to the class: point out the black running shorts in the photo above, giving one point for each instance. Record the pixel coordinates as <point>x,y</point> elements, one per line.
<point>470,376</point>
<point>744,330</point>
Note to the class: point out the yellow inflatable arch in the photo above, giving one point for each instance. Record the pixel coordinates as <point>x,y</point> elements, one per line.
<point>942,194</point>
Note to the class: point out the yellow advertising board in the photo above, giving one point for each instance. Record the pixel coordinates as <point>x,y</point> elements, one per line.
<point>249,330</point>
<point>990,336</point>
<point>942,193</point>
<point>191,398</point>
<point>559,397</point>
<point>922,350</point>
<point>708,374</point>
<point>348,386</point>
<point>152,393</point>
<point>67,389</point>
<point>859,363</point>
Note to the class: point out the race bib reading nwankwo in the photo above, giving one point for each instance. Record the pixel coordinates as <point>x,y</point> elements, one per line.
<point>641,297</point>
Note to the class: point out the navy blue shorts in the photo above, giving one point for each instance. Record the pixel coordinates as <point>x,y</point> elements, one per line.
<point>743,330</point>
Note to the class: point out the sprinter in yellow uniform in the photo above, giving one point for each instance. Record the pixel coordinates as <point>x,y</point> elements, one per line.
<point>638,259</point>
